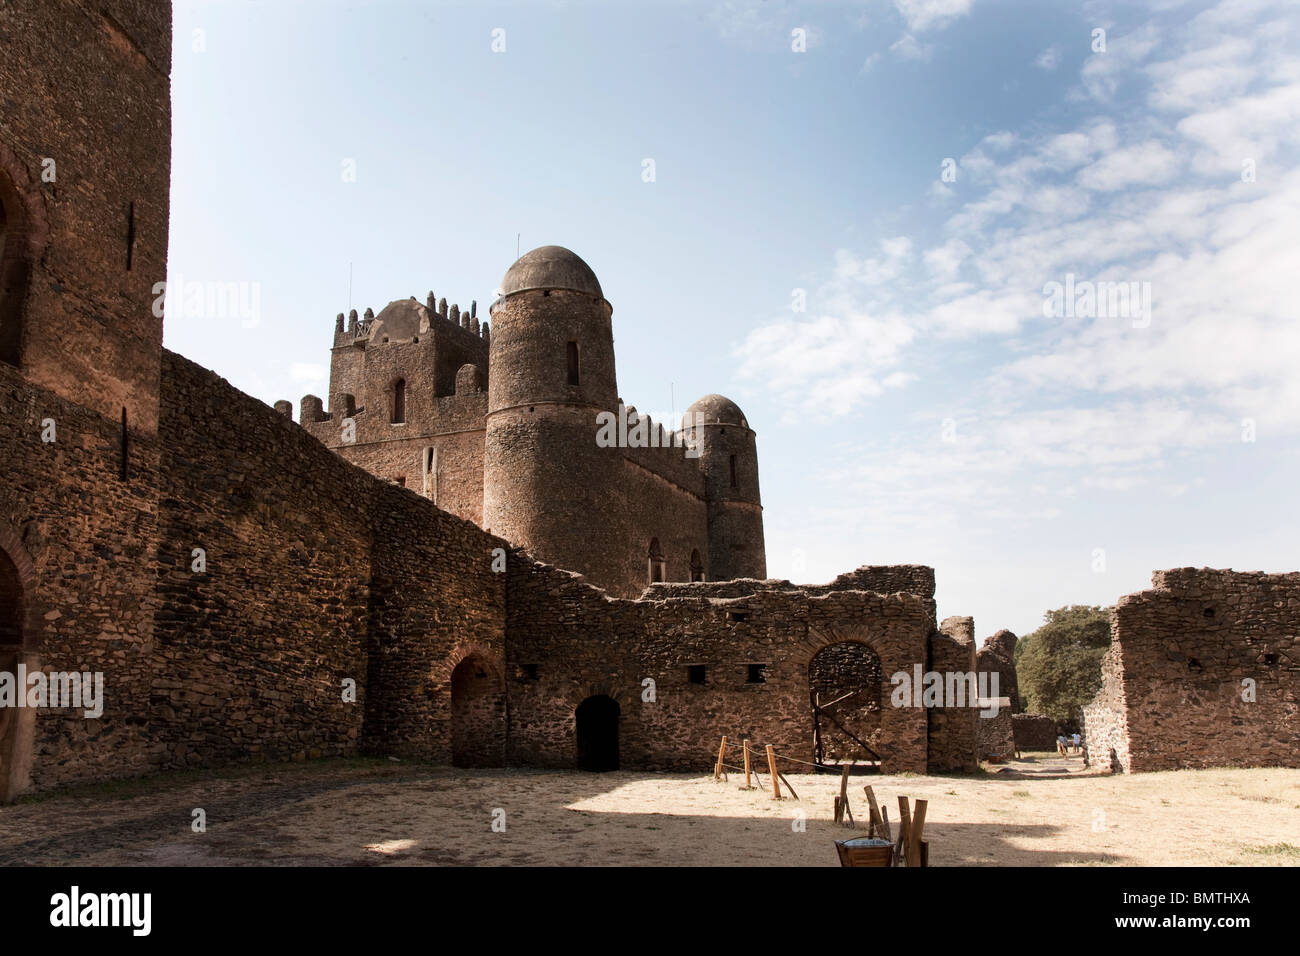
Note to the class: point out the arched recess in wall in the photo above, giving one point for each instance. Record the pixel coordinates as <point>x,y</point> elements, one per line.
<point>845,695</point>
<point>657,567</point>
<point>697,565</point>
<point>478,713</point>
<point>18,635</point>
<point>399,402</point>
<point>22,236</point>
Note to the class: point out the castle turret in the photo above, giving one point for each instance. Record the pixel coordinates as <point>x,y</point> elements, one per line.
<point>547,485</point>
<point>729,461</point>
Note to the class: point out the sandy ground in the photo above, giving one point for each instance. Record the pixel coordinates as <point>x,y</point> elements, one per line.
<point>1041,811</point>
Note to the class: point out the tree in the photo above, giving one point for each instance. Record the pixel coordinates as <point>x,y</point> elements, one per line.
<point>1059,665</point>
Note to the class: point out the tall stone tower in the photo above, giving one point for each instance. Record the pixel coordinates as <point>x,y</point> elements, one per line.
<point>729,460</point>
<point>547,485</point>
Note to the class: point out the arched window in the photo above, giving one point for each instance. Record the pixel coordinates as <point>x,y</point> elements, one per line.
<point>346,405</point>
<point>658,567</point>
<point>575,371</point>
<point>399,401</point>
<point>697,565</point>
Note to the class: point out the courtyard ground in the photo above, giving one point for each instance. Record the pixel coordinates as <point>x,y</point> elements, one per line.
<point>1040,811</point>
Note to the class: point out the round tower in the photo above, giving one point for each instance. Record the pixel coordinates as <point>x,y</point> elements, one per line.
<point>547,485</point>
<point>716,426</point>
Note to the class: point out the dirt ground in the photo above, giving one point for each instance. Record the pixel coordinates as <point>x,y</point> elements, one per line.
<point>1040,811</point>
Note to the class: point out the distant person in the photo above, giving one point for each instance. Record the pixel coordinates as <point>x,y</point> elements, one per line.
<point>1076,743</point>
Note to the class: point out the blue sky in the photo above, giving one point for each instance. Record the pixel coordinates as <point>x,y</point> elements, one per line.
<point>924,405</point>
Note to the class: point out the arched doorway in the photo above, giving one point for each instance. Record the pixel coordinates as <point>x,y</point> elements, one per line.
<point>11,652</point>
<point>478,714</point>
<point>845,687</point>
<point>597,719</point>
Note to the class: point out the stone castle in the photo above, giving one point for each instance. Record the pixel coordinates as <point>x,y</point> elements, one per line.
<point>499,426</point>
<point>492,586</point>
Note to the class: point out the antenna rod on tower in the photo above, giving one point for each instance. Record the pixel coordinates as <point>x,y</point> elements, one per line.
<point>516,245</point>
<point>349,287</point>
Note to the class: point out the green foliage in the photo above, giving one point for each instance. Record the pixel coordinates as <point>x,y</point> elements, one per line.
<point>1059,665</point>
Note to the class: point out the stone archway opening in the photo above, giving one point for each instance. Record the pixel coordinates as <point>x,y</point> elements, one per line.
<point>597,720</point>
<point>846,697</point>
<point>478,714</point>
<point>11,652</point>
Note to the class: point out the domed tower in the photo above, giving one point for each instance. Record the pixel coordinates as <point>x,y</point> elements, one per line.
<point>547,485</point>
<point>729,460</point>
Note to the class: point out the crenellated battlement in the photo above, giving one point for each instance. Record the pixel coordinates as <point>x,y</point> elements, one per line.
<point>349,329</point>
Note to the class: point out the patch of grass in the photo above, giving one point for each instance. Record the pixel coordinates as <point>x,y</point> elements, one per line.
<point>1259,798</point>
<point>1275,849</point>
<point>1021,793</point>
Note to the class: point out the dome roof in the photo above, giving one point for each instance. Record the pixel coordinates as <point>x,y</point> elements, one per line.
<point>401,319</point>
<point>714,409</point>
<point>550,267</point>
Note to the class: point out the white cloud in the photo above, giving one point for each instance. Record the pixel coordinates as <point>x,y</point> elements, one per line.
<point>922,15</point>
<point>907,47</point>
<point>1049,59</point>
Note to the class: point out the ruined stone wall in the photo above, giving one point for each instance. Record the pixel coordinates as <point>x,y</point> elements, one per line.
<point>568,641</point>
<point>1184,654</point>
<point>1034,732</point>
<point>997,656</point>
<point>1105,717</point>
<point>953,737</point>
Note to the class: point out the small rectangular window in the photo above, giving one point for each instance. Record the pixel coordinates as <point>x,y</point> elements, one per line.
<point>696,673</point>
<point>738,616</point>
<point>575,373</point>
<point>733,472</point>
<point>527,672</point>
<point>757,674</point>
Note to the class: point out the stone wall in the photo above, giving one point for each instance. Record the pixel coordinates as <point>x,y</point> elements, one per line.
<point>1186,659</point>
<point>1034,732</point>
<point>953,737</point>
<point>568,642</point>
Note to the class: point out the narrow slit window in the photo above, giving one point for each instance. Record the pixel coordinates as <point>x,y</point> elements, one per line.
<point>733,472</point>
<point>130,234</point>
<point>399,402</point>
<point>575,371</point>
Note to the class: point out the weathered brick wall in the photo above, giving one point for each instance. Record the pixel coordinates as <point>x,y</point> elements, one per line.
<point>85,537</point>
<point>1034,732</point>
<point>1105,717</point>
<point>88,330</point>
<point>995,735</point>
<point>582,643</point>
<point>998,656</point>
<point>1182,654</point>
<point>953,743</point>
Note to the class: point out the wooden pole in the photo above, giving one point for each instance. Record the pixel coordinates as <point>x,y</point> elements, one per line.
<point>879,824</point>
<point>771,767</point>
<point>722,754</point>
<point>904,829</point>
<point>844,793</point>
<point>918,825</point>
<point>746,746</point>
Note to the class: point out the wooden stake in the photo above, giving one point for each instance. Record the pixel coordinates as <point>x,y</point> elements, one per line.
<point>904,829</point>
<point>879,824</point>
<point>722,753</point>
<point>844,793</point>
<point>771,768</point>
<point>918,825</point>
<point>746,746</point>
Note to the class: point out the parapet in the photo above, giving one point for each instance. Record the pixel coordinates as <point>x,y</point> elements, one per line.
<point>311,410</point>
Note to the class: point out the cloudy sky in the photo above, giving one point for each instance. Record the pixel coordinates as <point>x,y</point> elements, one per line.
<point>1005,288</point>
